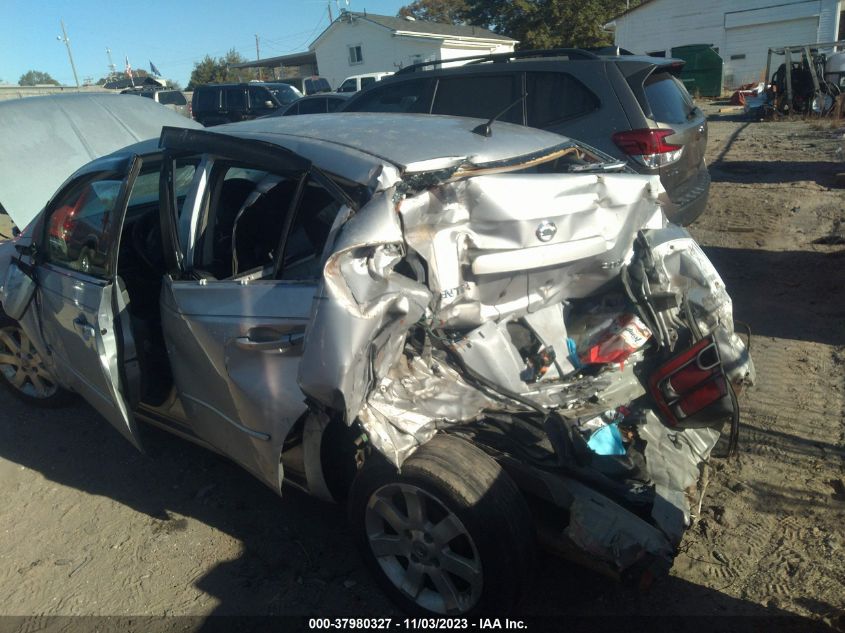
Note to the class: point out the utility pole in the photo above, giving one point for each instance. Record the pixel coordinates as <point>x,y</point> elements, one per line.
<point>65,39</point>
<point>258,57</point>
<point>329,7</point>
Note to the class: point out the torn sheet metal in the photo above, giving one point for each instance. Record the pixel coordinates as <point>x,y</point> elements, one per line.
<point>673,459</point>
<point>366,308</point>
<point>612,533</point>
<point>492,253</point>
<point>361,314</point>
<point>670,262</point>
<point>417,396</point>
<point>456,306</point>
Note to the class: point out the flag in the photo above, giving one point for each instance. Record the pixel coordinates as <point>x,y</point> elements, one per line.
<point>128,67</point>
<point>154,70</point>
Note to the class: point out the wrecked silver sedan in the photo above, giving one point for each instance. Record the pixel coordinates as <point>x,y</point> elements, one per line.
<point>473,340</point>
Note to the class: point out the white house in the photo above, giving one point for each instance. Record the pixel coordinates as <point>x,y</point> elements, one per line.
<point>357,43</point>
<point>741,31</point>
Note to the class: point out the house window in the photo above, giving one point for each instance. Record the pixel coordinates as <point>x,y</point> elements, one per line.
<point>740,56</point>
<point>355,55</point>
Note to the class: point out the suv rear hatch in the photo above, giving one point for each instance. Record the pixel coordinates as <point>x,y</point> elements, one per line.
<point>678,156</point>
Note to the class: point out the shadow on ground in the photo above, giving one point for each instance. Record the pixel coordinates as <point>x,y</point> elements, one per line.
<point>786,294</point>
<point>822,172</point>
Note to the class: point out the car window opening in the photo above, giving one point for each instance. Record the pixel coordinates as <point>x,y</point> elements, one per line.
<point>140,270</point>
<point>250,217</point>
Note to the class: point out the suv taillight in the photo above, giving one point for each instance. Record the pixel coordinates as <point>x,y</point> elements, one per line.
<point>648,146</point>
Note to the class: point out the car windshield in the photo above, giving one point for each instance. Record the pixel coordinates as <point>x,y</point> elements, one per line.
<point>285,94</point>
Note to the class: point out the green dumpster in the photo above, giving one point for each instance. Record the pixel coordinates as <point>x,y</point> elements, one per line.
<point>702,73</point>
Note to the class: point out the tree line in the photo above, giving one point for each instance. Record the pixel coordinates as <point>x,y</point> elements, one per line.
<point>535,23</point>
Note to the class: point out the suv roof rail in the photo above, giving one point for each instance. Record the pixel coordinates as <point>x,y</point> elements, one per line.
<point>571,53</point>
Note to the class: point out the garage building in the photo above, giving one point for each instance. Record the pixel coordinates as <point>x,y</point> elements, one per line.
<point>741,31</point>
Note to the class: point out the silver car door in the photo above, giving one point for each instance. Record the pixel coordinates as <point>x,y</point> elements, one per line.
<point>235,351</point>
<point>235,311</point>
<point>81,302</point>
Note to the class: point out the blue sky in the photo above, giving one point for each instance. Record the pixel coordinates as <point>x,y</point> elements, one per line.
<point>173,34</point>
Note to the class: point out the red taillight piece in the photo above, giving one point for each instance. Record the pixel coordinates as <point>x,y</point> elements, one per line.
<point>691,388</point>
<point>644,142</point>
<point>700,397</point>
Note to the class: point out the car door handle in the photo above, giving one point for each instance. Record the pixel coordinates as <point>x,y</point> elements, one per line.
<point>81,325</point>
<point>263,339</point>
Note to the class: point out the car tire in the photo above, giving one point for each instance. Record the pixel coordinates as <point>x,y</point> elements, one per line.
<point>22,370</point>
<point>449,535</point>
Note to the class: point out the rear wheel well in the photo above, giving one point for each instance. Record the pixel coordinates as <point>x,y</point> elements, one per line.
<point>339,453</point>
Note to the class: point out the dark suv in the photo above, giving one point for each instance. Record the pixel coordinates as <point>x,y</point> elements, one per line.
<point>632,107</point>
<point>213,104</point>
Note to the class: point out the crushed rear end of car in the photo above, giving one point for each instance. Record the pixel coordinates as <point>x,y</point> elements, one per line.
<point>551,316</point>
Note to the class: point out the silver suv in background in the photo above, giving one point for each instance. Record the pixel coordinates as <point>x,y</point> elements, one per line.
<point>173,99</point>
<point>631,107</point>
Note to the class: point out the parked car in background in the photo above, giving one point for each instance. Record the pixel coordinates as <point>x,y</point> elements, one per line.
<point>359,82</point>
<point>631,107</point>
<point>173,99</point>
<point>316,85</point>
<point>214,104</point>
<point>314,104</point>
<point>283,92</point>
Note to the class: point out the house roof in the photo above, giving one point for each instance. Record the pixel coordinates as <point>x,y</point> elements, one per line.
<point>631,10</point>
<point>420,28</point>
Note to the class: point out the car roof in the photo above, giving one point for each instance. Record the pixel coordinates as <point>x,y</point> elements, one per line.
<point>45,139</point>
<point>503,61</point>
<point>374,149</point>
<point>325,95</point>
<point>410,142</point>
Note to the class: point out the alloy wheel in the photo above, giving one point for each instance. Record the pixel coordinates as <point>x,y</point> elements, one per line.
<point>22,365</point>
<point>423,548</point>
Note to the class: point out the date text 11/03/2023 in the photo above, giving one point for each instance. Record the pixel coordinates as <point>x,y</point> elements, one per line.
<point>414,624</point>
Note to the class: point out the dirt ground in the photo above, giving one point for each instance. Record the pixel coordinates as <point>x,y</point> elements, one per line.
<point>89,526</point>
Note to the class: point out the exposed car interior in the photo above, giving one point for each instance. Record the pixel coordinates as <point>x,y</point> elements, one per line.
<point>247,219</point>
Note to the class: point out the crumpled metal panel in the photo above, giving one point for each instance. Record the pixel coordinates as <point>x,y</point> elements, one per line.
<point>361,314</point>
<point>412,400</point>
<point>451,225</point>
<point>351,362</point>
<point>684,269</point>
<point>612,533</point>
<point>673,458</point>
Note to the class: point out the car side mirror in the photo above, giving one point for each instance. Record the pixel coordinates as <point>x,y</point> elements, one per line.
<point>15,231</point>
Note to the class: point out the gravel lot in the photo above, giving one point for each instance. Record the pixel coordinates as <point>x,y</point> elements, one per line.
<point>90,527</point>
